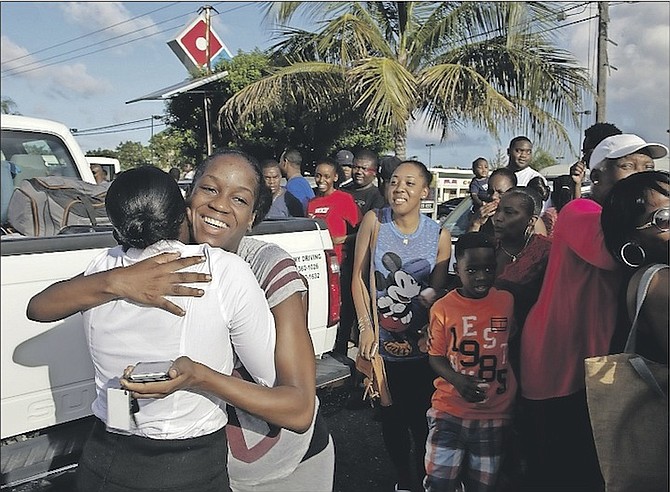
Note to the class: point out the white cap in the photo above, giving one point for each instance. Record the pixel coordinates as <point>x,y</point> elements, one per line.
<point>622,145</point>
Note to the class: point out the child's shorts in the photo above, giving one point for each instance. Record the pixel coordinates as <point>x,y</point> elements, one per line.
<point>463,451</point>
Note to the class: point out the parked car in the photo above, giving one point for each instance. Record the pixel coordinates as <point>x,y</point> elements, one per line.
<point>445,208</point>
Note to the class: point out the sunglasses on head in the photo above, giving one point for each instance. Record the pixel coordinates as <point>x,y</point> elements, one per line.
<point>659,219</point>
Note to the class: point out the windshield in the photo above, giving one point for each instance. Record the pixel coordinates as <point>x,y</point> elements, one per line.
<point>458,220</point>
<point>35,155</point>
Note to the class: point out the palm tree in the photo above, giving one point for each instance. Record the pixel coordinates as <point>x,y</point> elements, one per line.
<point>491,65</point>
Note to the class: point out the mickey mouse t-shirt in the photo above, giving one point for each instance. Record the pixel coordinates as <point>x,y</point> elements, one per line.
<point>403,264</point>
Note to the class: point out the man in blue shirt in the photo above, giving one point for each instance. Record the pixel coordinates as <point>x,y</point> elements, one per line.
<point>290,163</point>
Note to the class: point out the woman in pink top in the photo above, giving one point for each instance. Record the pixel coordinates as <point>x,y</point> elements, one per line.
<point>574,318</point>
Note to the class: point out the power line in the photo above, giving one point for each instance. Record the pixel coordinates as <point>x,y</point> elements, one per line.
<point>90,33</point>
<point>105,132</point>
<point>40,63</point>
<point>116,125</point>
<point>19,71</point>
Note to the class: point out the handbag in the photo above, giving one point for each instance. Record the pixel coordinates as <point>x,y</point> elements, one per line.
<point>375,382</point>
<point>627,399</point>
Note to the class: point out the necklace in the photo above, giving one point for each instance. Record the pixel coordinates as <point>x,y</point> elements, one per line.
<point>405,237</point>
<point>516,256</point>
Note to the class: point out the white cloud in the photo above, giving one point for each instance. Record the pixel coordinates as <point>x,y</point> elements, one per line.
<point>68,81</point>
<point>12,55</point>
<point>73,81</point>
<point>638,91</point>
<point>112,15</point>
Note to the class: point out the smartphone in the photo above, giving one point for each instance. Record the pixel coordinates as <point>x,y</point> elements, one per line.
<point>145,372</point>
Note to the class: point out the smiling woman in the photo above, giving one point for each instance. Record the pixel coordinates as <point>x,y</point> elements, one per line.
<point>336,207</point>
<point>410,260</point>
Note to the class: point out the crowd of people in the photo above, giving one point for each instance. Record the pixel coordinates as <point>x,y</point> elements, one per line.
<point>486,372</point>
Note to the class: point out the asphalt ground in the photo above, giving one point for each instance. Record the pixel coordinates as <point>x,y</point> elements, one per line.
<point>361,462</point>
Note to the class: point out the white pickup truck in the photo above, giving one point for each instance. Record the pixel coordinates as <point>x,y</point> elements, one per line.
<point>47,375</point>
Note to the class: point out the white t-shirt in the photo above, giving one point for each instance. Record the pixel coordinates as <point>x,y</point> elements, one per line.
<point>232,313</point>
<point>526,174</point>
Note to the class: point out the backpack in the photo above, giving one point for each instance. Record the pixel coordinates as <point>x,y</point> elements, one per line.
<point>44,206</point>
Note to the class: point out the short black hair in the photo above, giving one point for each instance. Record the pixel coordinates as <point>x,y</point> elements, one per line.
<point>145,206</point>
<point>427,175</point>
<point>598,132</point>
<point>520,138</point>
<point>472,240</point>
<point>368,155</point>
<point>268,163</point>
<point>262,194</point>
<point>387,165</point>
<point>530,198</point>
<point>506,172</point>
<point>474,163</point>
<point>293,157</point>
<point>563,191</point>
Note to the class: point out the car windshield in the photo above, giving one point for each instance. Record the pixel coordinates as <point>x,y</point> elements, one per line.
<point>458,220</point>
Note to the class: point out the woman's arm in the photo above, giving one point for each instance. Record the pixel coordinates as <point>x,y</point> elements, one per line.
<point>146,282</point>
<point>289,404</point>
<point>359,283</point>
<point>438,277</point>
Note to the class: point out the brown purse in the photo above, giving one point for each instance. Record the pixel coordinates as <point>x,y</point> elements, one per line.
<point>373,370</point>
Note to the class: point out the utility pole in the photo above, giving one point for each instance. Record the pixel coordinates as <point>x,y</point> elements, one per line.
<point>603,61</point>
<point>208,25</point>
<point>206,99</point>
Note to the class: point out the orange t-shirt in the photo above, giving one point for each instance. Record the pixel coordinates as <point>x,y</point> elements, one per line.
<point>473,335</point>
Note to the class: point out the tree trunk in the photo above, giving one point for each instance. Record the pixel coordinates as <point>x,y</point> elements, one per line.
<point>400,144</point>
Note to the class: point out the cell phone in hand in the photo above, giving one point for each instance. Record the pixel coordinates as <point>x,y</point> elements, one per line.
<point>146,372</point>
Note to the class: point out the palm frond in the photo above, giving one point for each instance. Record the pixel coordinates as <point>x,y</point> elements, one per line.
<point>309,85</point>
<point>453,92</point>
<point>386,90</point>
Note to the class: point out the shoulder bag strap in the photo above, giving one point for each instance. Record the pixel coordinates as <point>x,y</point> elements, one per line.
<point>373,283</point>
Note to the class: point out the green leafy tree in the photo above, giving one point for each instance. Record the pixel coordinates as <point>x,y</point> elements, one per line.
<point>99,152</point>
<point>169,148</point>
<point>314,134</point>
<point>491,65</point>
<point>132,154</point>
<point>541,159</point>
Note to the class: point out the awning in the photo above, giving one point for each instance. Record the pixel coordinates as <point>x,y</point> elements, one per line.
<point>180,88</point>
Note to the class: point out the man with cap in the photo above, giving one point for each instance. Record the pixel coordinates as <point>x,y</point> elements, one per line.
<point>575,317</point>
<point>346,160</point>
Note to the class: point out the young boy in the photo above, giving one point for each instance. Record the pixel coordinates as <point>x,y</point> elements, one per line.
<point>472,404</point>
<point>479,184</point>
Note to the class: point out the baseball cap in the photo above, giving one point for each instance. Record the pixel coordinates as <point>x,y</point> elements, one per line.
<point>622,145</point>
<point>345,158</point>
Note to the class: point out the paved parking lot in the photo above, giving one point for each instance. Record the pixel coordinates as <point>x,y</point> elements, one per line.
<point>361,461</point>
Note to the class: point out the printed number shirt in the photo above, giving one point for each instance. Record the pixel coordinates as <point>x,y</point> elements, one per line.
<point>473,335</point>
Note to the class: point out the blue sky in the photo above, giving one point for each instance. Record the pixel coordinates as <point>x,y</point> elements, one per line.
<point>47,72</point>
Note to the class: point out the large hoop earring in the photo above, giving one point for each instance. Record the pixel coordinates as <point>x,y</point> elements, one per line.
<point>625,253</point>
